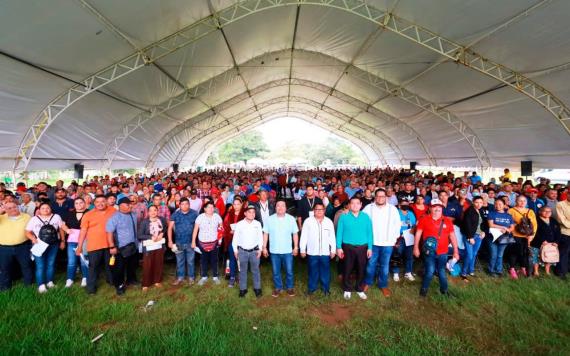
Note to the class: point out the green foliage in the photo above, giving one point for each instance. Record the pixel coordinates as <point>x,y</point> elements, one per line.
<point>333,151</point>
<point>240,149</point>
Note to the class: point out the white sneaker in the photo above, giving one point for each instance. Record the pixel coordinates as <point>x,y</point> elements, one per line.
<point>216,280</point>
<point>409,277</point>
<point>68,283</point>
<point>84,282</point>
<point>202,281</point>
<point>50,284</point>
<point>396,277</point>
<point>347,295</point>
<point>362,295</point>
<point>42,288</point>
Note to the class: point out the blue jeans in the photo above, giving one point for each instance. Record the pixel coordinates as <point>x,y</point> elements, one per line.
<point>10,254</point>
<point>45,265</point>
<point>277,260</point>
<point>380,256</point>
<point>72,262</point>
<point>319,271</point>
<point>407,253</point>
<point>470,255</point>
<point>233,262</point>
<point>496,259</point>
<point>432,262</point>
<point>185,258</point>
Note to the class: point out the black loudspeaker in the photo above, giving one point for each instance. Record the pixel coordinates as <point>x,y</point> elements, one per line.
<point>526,168</point>
<point>175,167</point>
<point>78,168</point>
<point>413,165</point>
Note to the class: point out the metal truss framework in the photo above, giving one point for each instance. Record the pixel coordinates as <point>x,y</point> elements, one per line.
<point>339,125</point>
<point>240,10</point>
<point>309,84</point>
<point>195,122</point>
<point>299,113</point>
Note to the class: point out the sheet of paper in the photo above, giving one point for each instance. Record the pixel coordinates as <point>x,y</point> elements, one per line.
<point>147,243</point>
<point>153,247</point>
<point>408,237</point>
<point>495,233</point>
<point>197,250</point>
<point>39,248</point>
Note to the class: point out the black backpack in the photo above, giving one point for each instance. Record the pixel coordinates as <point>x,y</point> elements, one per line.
<point>48,233</point>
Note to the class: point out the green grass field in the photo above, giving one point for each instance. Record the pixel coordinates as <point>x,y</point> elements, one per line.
<point>488,316</point>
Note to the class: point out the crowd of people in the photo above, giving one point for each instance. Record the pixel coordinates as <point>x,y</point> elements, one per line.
<point>372,223</point>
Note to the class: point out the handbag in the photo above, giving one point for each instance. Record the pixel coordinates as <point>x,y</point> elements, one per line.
<point>128,250</point>
<point>430,244</point>
<point>506,239</point>
<point>549,253</point>
<point>208,246</point>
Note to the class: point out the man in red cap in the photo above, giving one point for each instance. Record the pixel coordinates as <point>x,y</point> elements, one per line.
<point>438,227</point>
<point>218,201</point>
<point>534,202</point>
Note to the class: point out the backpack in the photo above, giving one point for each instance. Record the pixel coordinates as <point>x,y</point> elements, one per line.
<point>549,253</point>
<point>524,227</point>
<point>48,233</point>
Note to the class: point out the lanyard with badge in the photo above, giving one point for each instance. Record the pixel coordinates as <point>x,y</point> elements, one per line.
<point>311,212</point>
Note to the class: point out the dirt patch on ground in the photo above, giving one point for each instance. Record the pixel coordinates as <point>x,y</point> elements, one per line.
<point>108,325</point>
<point>333,314</point>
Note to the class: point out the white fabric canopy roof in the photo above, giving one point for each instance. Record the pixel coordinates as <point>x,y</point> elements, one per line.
<point>147,83</point>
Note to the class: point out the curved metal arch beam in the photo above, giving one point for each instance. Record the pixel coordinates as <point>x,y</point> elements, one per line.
<point>236,121</point>
<point>241,9</point>
<point>209,146</point>
<point>299,82</point>
<point>345,119</point>
<point>312,115</point>
<point>305,115</point>
<point>211,84</point>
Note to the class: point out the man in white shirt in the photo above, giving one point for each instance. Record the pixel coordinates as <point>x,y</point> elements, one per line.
<point>28,205</point>
<point>195,202</point>
<point>247,243</point>
<point>386,230</point>
<point>318,241</point>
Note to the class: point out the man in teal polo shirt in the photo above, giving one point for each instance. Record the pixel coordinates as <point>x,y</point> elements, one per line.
<point>354,245</point>
<point>281,232</point>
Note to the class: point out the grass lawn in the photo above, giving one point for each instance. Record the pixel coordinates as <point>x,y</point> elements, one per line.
<point>488,317</point>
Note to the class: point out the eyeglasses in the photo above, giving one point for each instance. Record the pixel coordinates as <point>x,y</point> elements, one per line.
<point>318,209</point>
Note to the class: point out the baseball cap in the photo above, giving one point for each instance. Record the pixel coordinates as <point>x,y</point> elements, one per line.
<point>249,207</point>
<point>435,202</point>
<point>124,200</point>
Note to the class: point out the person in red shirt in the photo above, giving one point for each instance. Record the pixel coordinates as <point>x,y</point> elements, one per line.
<point>419,207</point>
<point>235,214</point>
<point>218,201</point>
<point>441,227</point>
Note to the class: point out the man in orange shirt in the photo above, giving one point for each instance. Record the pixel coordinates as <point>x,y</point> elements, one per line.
<point>93,229</point>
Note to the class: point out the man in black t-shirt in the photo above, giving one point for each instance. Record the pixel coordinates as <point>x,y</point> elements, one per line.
<point>306,205</point>
<point>408,194</point>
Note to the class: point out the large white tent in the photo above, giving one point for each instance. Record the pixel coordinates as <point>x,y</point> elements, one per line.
<point>148,83</point>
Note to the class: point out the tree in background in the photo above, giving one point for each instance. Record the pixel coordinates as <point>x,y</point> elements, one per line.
<point>242,148</point>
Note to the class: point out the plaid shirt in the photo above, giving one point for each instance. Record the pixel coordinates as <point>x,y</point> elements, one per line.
<point>141,211</point>
<point>164,212</point>
<point>203,193</point>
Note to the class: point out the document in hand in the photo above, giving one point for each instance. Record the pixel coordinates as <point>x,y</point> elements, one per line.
<point>495,233</point>
<point>39,248</point>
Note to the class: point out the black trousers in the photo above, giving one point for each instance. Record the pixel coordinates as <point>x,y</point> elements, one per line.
<point>98,259</point>
<point>209,259</point>
<point>125,269</point>
<point>354,258</point>
<point>518,253</point>
<point>564,250</point>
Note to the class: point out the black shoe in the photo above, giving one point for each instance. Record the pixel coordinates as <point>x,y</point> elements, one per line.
<point>326,293</point>
<point>423,292</point>
<point>257,292</point>
<point>121,290</point>
<point>242,293</point>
